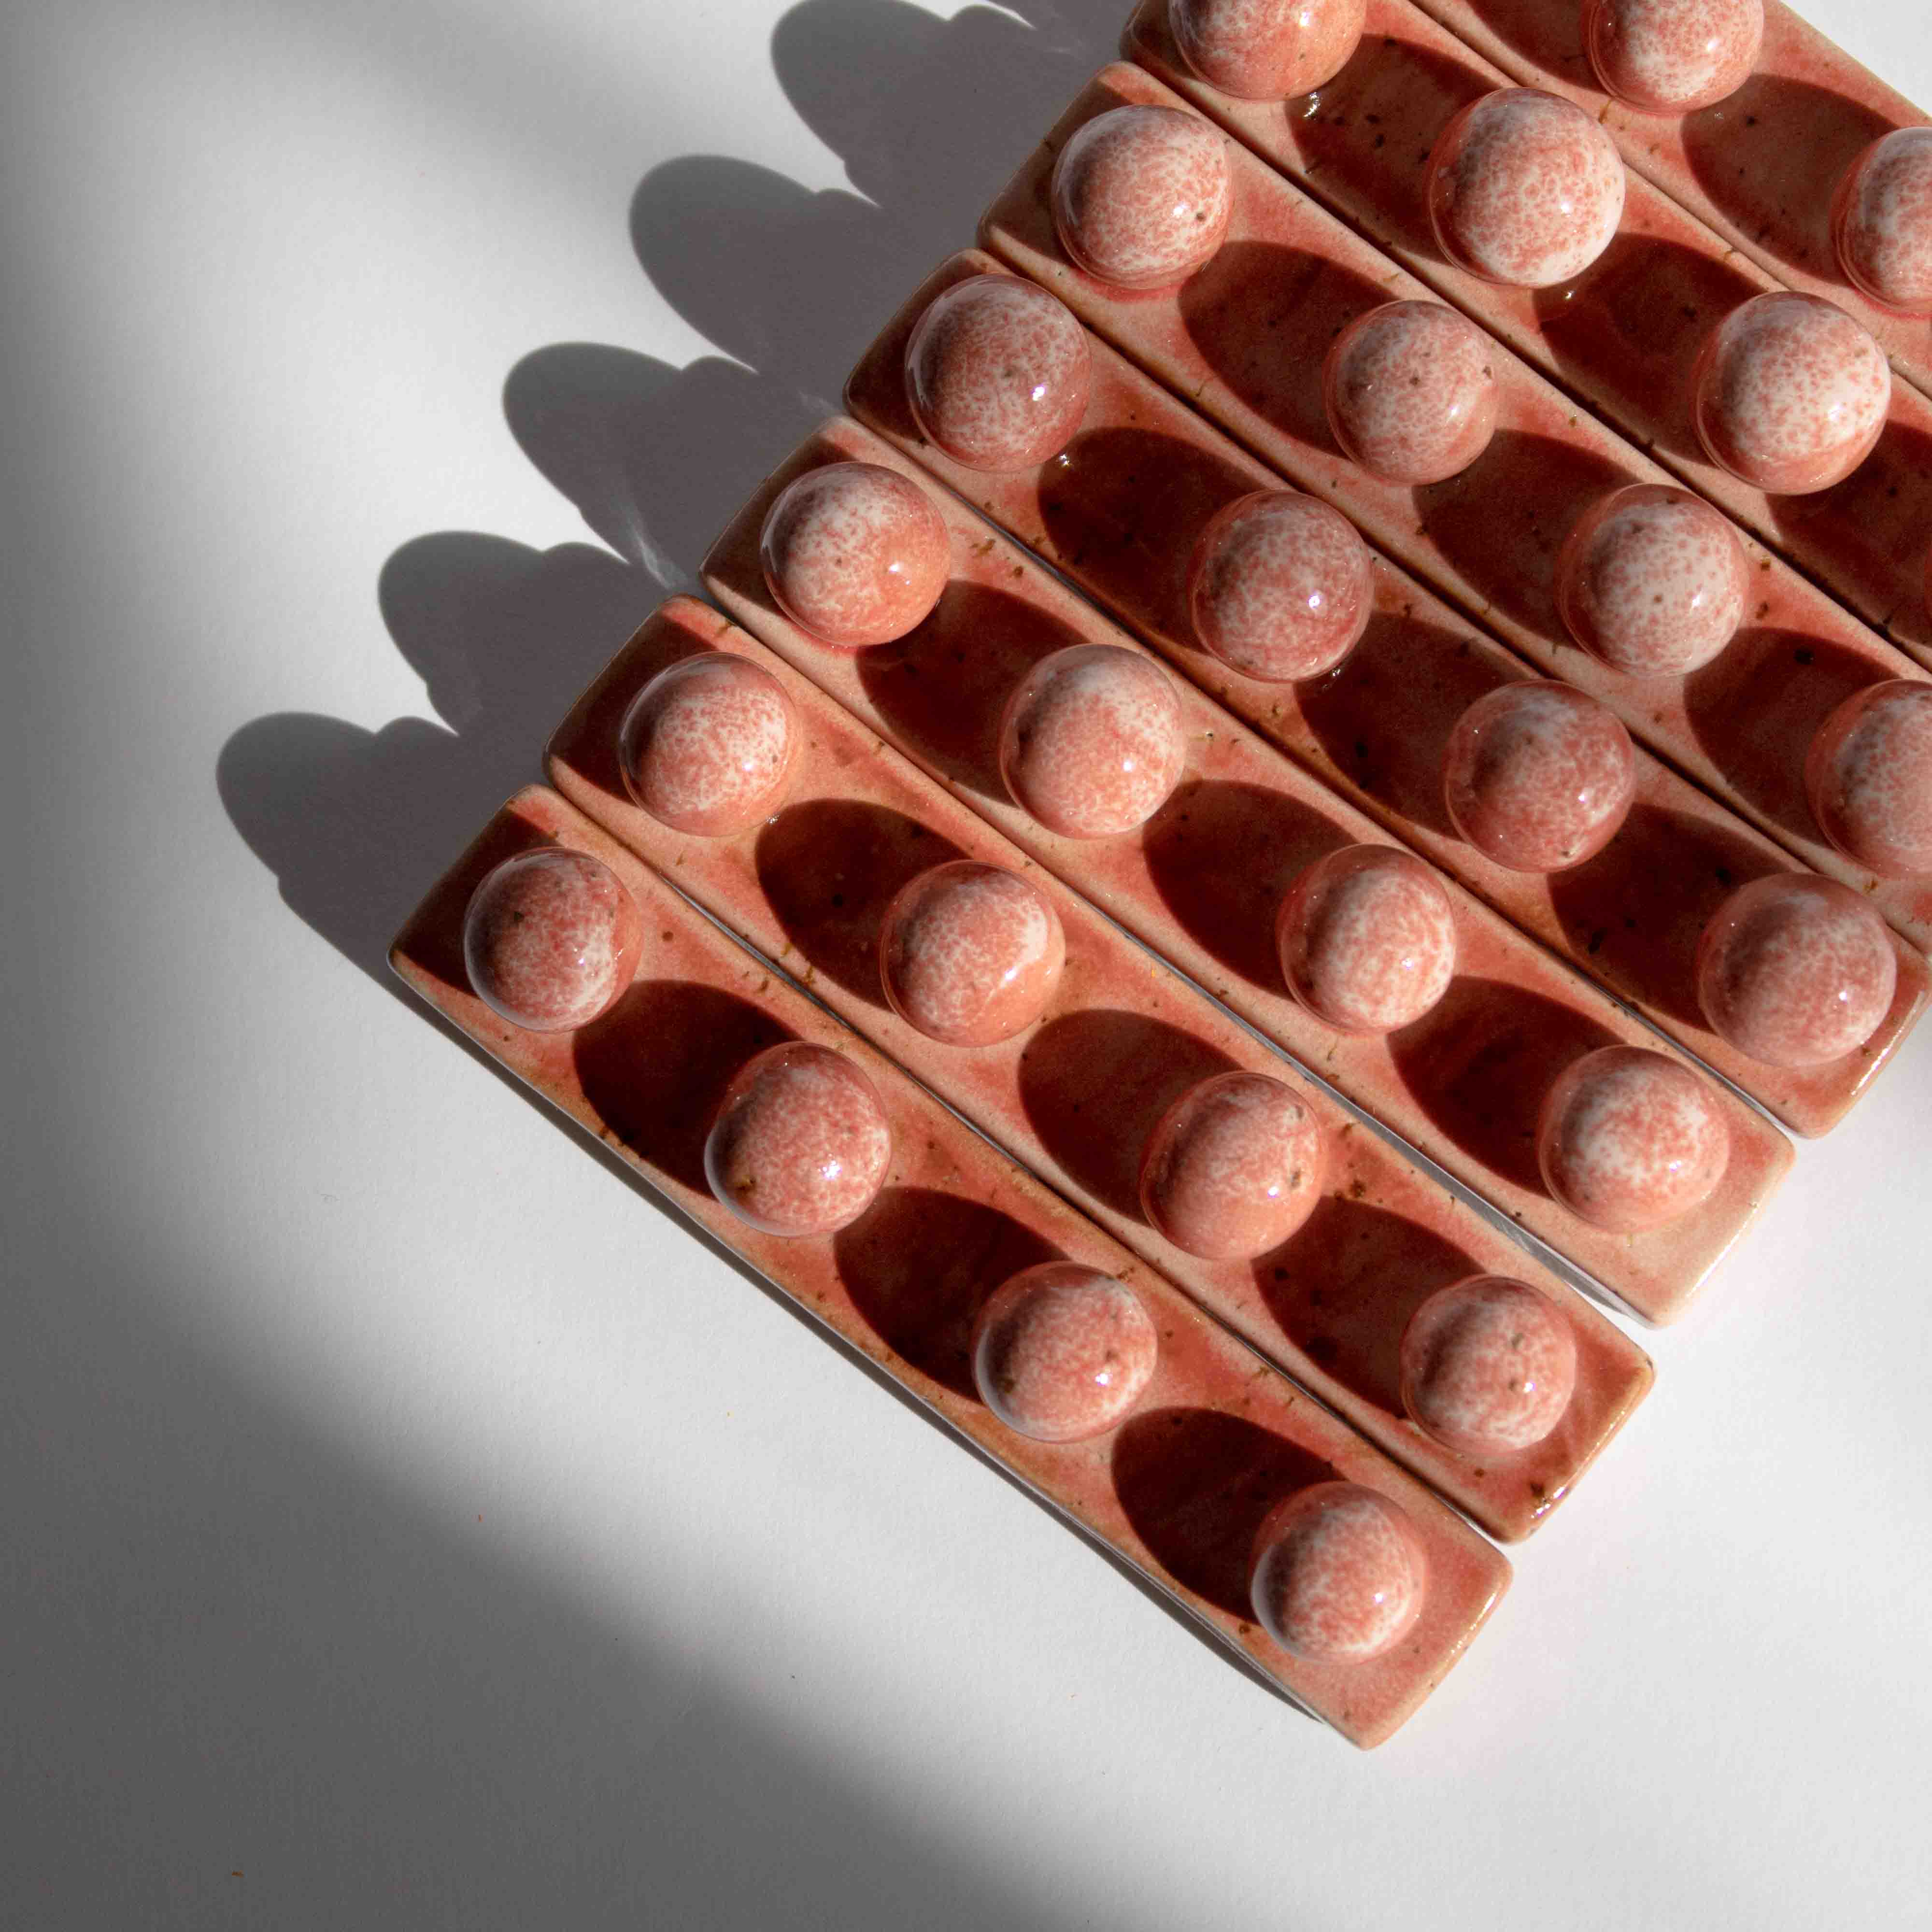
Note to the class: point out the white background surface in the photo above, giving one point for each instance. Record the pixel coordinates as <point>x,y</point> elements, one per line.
<point>404,1524</point>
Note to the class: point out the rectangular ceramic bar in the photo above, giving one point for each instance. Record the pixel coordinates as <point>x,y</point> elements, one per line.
<point>1176,1491</point>
<point>1243,342</point>
<point>1075,1095</point>
<point>1760,167</point>
<point>1622,336</point>
<point>1200,883</point>
<point>1119,511</point>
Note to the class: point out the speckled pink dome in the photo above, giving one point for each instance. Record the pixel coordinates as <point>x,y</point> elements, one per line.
<point>1488,1366</point>
<point>855,554</point>
<point>1339,1574</point>
<point>1630,1140</point>
<point>1796,971</point>
<point>550,939</point>
<point>996,373</point>
<point>709,745</point>
<point>1790,394</point>
<point>1868,775</point>
<point>1538,776</point>
<point>1881,221</point>
<point>801,1144</point>
<point>1092,741</point>
<point>1061,1352</point>
<point>1234,1167</point>
<point>1652,581</point>
<point>1672,56</point>
<point>1410,390</point>
<point>1524,188</point>
<point>1142,195</point>
<point>1280,585</point>
<point>1267,49</point>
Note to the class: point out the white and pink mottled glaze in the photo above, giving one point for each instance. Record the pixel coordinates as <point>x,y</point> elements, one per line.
<point>996,373</point>
<point>1524,188</point>
<point>550,939</point>
<point>1630,1139</point>
<point>1868,775</point>
<point>1280,585</point>
<point>1339,1573</point>
<point>1234,1167</point>
<point>1061,1352</point>
<point>1881,221</point>
<point>1141,197</point>
<point>1267,49</point>
<point>1795,971</point>
<point>1488,1366</point>
<point>1790,394</point>
<point>1672,56</point>
<point>1410,391</point>
<point>1538,776</point>
<point>1652,581</point>
<point>1367,939</point>
<point>709,745</point>
<point>1092,741</point>
<point>801,1144</point>
<point>855,554</point>
<point>970,954</point>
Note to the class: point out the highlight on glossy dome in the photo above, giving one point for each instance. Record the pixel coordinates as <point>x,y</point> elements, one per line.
<point>1790,394</point>
<point>970,954</point>
<point>1629,1139</point>
<point>801,1144</point>
<point>1233,1167</point>
<point>551,939</point>
<point>1881,221</point>
<point>996,373</point>
<point>1061,1352</point>
<point>1794,970</point>
<point>855,554</point>
<point>1142,195</point>
<point>1868,775</point>
<point>709,745</point>
<point>1339,1574</point>
<point>1488,1366</point>
<point>1524,188</point>
<point>1366,938</point>
<point>1267,49</point>
<point>1672,56</point>
<point>1410,391</point>
<point>1092,741</point>
<point>1280,586</point>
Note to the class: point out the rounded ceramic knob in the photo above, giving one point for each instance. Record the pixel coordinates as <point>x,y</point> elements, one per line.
<point>1868,775</point>
<point>801,1144</point>
<point>1280,586</point>
<point>855,554</point>
<point>1339,1574</point>
<point>1091,741</point>
<point>1796,971</point>
<point>1524,188</point>
<point>1881,221</point>
<point>1234,1167</point>
<point>1410,391</point>
<point>1538,776</point>
<point>1789,394</point>
<point>1488,1367</point>
<point>970,954</point>
<point>710,744</point>
<point>1367,939</point>
<point>1141,197</point>
<point>1267,49</point>
<point>550,939</point>
<point>1061,1352</point>
<point>1672,56</point>
<point>1652,581</point>
<point>996,373</point>
<point>1630,1140</point>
